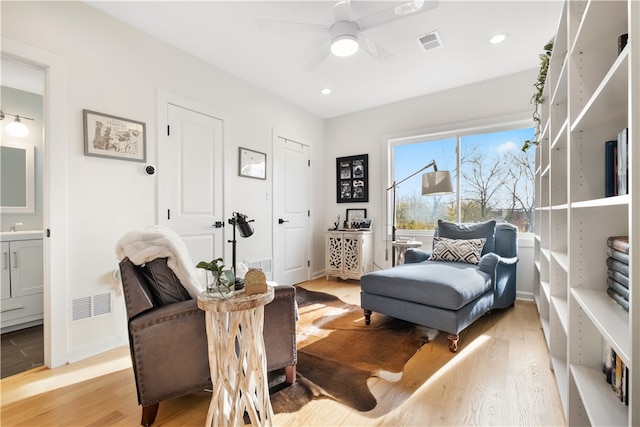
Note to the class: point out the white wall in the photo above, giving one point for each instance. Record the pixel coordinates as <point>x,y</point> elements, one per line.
<point>503,98</point>
<point>115,69</point>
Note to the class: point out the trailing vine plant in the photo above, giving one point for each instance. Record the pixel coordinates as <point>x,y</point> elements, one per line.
<point>538,99</point>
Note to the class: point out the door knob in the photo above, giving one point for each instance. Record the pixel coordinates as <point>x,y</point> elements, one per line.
<point>281,221</point>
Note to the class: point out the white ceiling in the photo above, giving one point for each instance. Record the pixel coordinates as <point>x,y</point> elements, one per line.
<point>228,35</point>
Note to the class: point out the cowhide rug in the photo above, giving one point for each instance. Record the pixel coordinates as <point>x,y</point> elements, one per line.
<point>337,353</point>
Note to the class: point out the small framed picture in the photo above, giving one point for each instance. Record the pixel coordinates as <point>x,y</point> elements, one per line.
<point>253,164</point>
<point>114,137</point>
<point>352,179</point>
<point>356,215</point>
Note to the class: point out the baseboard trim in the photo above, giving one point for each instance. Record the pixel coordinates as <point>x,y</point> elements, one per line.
<point>525,296</point>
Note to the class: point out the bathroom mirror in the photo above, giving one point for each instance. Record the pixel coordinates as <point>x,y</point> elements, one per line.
<point>17,177</point>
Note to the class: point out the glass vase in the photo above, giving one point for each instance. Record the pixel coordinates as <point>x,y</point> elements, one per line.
<point>220,284</point>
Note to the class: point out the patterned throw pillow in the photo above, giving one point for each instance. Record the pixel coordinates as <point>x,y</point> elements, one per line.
<point>457,250</point>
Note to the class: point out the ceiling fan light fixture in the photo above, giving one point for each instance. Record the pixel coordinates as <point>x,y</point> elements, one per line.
<point>344,45</point>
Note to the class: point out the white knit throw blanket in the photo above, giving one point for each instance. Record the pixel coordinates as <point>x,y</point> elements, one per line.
<point>160,242</point>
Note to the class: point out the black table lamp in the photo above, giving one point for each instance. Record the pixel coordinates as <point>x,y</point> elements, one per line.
<point>239,221</point>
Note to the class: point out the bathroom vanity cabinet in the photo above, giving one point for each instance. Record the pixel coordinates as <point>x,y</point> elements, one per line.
<point>21,281</point>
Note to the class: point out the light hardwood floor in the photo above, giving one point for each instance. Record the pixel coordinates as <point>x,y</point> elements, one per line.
<point>500,376</point>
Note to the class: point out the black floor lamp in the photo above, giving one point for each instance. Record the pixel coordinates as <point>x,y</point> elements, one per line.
<point>434,183</point>
<point>239,221</point>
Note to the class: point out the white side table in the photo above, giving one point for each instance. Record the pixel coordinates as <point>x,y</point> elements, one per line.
<point>403,246</point>
<point>237,359</point>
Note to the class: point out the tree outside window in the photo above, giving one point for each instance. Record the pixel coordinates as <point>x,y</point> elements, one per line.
<point>496,180</point>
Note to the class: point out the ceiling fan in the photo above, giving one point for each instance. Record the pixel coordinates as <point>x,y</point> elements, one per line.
<point>346,34</point>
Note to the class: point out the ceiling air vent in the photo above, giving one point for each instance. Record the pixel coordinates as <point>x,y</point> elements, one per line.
<point>430,41</point>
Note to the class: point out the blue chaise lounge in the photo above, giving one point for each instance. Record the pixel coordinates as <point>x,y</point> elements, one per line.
<point>470,271</point>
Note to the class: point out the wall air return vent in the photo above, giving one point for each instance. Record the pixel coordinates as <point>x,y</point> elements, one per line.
<point>430,41</point>
<point>91,306</point>
<point>262,264</point>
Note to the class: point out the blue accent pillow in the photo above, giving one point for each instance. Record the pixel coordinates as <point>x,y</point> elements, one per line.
<point>487,230</point>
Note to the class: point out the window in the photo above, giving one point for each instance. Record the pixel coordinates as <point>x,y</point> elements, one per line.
<point>492,178</point>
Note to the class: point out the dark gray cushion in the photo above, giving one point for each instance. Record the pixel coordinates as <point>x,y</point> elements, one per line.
<point>448,285</point>
<point>163,284</point>
<point>478,230</point>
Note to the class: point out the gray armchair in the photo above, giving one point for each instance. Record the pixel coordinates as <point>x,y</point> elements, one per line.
<point>168,339</point>
<point>447,295</point>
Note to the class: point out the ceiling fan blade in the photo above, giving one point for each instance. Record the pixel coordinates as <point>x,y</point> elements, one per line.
<point>400,11</point>
<point>342,11</point>
<point>373,48</point>
<point>280,26</point>
<point>319,58</point>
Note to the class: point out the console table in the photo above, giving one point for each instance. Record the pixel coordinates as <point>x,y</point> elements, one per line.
<point>237,358</point>
<point>349,254</point>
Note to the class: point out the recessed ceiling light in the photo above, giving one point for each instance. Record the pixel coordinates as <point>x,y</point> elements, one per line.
<point>498,38</point>
<point>325,91</point>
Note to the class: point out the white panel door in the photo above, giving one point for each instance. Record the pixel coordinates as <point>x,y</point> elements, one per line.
<point>192,164</point>
<point>291,211</point>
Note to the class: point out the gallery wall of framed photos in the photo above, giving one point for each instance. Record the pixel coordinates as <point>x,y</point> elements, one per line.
<point>352,179</point>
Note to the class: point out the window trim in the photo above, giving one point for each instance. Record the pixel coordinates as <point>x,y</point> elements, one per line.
<point>435,133</point>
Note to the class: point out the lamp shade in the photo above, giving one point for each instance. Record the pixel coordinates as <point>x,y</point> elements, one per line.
<point>242,225</point>
<point>436,183</point>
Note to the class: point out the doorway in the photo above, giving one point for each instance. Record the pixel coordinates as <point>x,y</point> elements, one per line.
<point>22,90</point>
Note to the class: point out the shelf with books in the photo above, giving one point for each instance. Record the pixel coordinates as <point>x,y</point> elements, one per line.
<point>600,71</point>
<point>589,169</point>
<point>601,405</point>
<point>609,320</point>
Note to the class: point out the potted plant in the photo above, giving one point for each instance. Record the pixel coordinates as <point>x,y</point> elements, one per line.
<point>537,99</point>
<point>221,283</point>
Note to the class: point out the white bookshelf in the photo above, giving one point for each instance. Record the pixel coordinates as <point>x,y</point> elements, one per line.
<point>592,93</point>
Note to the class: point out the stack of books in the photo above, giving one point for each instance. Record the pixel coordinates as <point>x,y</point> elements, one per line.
<point>616,165</point>
<point>616,373</point>
<point>618,270</point>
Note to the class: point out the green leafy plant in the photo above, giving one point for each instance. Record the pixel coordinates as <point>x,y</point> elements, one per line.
<point>214,266</point>
<point>538,98</point>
